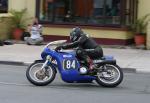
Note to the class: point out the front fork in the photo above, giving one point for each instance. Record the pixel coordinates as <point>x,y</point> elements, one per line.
<point>44,65</point>
<point>48,58</point>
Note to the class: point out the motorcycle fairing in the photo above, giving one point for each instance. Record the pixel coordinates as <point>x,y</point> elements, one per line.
<point>69,72</point>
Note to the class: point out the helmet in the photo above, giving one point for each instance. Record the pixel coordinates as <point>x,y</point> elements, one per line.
<point>75,34</point>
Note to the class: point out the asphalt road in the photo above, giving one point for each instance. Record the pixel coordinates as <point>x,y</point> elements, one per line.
<point>14,88</point>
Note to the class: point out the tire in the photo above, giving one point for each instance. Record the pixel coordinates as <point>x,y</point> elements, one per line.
<point>34,80</point>
<point>108,83</point>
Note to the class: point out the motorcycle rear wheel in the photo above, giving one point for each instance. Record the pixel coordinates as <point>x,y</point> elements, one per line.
<point>38,77</point>
<point>110,76</point>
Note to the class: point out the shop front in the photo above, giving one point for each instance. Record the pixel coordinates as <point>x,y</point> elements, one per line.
<point>105,20</point>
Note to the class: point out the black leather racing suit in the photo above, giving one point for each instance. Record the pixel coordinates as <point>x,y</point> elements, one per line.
<point>86,47</point>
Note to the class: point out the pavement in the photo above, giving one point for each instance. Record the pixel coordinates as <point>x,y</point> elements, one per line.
<point>130,59</point>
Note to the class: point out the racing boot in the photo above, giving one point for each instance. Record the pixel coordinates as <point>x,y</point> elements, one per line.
<point>92,68</point>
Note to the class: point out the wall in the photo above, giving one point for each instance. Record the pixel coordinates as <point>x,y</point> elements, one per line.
<point>94,33</point>
<point>5,26</point>
<point>31,7</point>
<point>21,4</point>
<point>108,37</point>
<point>144,8</point>
<point>148,37</point>
<point>17,4</point>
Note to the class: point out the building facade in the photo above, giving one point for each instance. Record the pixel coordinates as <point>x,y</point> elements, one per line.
<point>104,20</point>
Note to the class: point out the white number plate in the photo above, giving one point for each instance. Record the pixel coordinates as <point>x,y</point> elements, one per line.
<point>70,64</point>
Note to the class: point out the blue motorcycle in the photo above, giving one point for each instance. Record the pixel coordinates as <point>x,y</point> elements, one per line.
<point>42,72</point>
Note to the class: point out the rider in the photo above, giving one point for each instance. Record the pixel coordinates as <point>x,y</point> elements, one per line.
<point>87,48</point>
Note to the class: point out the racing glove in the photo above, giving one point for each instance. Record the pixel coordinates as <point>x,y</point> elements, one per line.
<point>58,48</point>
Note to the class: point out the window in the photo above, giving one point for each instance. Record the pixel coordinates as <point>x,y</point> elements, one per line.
<point>87,12</point>
<point>3,6</point>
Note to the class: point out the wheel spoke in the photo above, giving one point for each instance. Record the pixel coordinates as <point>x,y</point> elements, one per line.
<point>109,75</point>
<point>39,76</point>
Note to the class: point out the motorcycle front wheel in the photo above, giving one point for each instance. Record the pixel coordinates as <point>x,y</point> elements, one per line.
<point>109,75</point>
<point>38,76</point>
